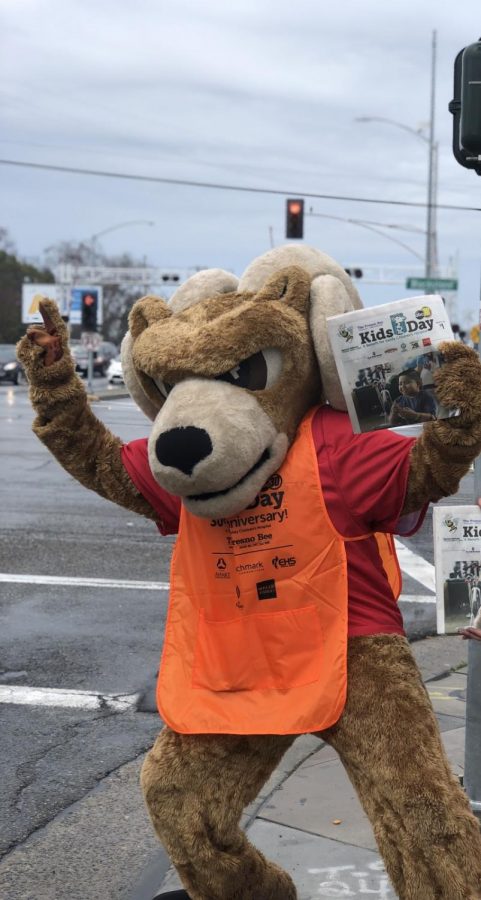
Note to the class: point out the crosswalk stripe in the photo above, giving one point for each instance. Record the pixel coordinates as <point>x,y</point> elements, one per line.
<point>416,566</point>
<point>59,581</point>
<point>32,696</point>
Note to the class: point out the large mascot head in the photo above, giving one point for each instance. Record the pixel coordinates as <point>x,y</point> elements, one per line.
<point>227,370</point>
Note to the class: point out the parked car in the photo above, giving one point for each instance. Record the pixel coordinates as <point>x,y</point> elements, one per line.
<point>114,371</point>
<point>10,368</point>
<point>102,357</point>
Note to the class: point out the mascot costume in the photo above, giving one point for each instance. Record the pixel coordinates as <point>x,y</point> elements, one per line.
<point>282,614</point>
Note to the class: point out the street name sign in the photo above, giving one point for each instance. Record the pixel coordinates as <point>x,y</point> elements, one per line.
<point>431,284</point>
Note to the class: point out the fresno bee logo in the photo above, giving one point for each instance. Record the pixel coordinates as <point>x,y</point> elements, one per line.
<point>345,331</point>
<point>450,523</point>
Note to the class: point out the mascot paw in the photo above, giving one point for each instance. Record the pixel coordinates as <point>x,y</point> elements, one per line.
<point>44,351</point>
<point>458,383</point>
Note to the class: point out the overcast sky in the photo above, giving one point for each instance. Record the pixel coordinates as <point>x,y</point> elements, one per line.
<point>254,93</point>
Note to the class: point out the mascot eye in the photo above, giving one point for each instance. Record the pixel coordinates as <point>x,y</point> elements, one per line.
<point>257,372</point>
<point>163,386</point>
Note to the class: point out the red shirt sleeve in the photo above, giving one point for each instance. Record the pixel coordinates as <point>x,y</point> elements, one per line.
<point>136,461</point>
<point>363,476</point>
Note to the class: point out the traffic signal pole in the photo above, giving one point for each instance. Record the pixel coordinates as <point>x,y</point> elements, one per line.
<point>466,110</point>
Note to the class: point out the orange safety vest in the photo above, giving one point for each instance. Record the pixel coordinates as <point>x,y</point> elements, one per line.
<point>256,633</point>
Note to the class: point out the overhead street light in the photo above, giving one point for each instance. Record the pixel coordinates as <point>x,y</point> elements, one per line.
<point>432,185</point>
<point>94,237</point>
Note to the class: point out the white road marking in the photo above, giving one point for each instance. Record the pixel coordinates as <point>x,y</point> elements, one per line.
<point>417,598</point>
<point>31,696</point>
<point>59,581</point>
<point>416,566</point>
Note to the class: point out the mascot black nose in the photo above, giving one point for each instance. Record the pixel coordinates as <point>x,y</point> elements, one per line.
<point>183,448</point>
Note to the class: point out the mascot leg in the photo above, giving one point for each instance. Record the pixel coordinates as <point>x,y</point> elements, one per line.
<point>196,788</point>
<point>389,742</point>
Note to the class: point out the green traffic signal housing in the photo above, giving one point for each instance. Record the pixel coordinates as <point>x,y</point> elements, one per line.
<point>466,107</point>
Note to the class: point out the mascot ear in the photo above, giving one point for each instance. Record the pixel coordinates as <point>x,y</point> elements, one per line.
<point>144,312</point>
<point>134,384</point>
<point>329,297</point>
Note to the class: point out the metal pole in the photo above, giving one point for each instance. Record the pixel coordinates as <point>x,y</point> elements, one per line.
<point>472,749</point>
<point>429,223</point>
<point>90,371</point>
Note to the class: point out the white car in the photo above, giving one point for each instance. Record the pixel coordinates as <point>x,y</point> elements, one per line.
<point>114,371</point>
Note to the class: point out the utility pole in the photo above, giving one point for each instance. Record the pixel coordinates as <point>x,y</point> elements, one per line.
<point>466,110</point>
<point>431,248</point>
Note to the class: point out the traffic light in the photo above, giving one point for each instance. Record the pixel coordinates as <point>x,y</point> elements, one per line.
<point>294,219</point>
<point>466,107</point>
<point>89,309</point>
<point>354,273</point>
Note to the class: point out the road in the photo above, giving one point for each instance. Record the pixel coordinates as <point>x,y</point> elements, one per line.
<point>95,632</point>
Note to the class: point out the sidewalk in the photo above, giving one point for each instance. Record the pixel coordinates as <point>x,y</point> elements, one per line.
<point>308,817</point>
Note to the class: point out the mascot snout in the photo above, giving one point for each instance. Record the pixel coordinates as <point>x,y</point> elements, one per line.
<point>214,446</point>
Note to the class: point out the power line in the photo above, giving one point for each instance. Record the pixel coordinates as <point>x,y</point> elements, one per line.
<point>230,187</point>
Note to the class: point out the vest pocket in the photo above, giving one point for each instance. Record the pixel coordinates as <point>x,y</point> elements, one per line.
<point>277,650</point>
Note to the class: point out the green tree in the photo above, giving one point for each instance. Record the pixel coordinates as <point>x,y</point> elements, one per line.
<point>13,273</point>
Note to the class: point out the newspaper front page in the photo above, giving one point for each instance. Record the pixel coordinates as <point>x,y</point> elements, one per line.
<point>386,358</point>
<point>457,560</point>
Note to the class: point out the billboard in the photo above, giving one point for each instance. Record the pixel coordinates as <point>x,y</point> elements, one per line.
<point>68,299</point>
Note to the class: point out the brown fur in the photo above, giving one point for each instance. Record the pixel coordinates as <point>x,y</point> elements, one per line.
<point>212,336</point>
<point>66,425</point>
<point>389,742</point>
<point>199,824</point>
<point>445,450</point>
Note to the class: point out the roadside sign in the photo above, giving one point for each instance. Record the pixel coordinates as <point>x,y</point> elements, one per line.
<point>431,284</point>
<point>32,293</point>
<point>91,340</point>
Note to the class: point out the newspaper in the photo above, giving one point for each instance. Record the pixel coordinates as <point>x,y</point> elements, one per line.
<point>457,560</point>
<point>386,357</point>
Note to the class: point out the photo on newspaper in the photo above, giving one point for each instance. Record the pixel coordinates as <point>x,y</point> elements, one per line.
<point>457,561</point>
<point>386,357</point>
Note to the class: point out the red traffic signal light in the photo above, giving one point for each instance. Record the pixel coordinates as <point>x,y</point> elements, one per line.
<point>89,309</point>
<point>294,218</point>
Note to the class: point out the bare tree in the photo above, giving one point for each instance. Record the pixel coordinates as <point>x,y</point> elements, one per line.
<point>118,299</point>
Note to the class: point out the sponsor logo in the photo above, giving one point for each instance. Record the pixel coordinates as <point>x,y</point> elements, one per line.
<point>266,590</point>
<point>423,313</point>
<point>345,331</point>
<point>426,342</point>
<point>450,523</point>
<point>221,567</point>
<point>283,562</point>
<point>245,568</point>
